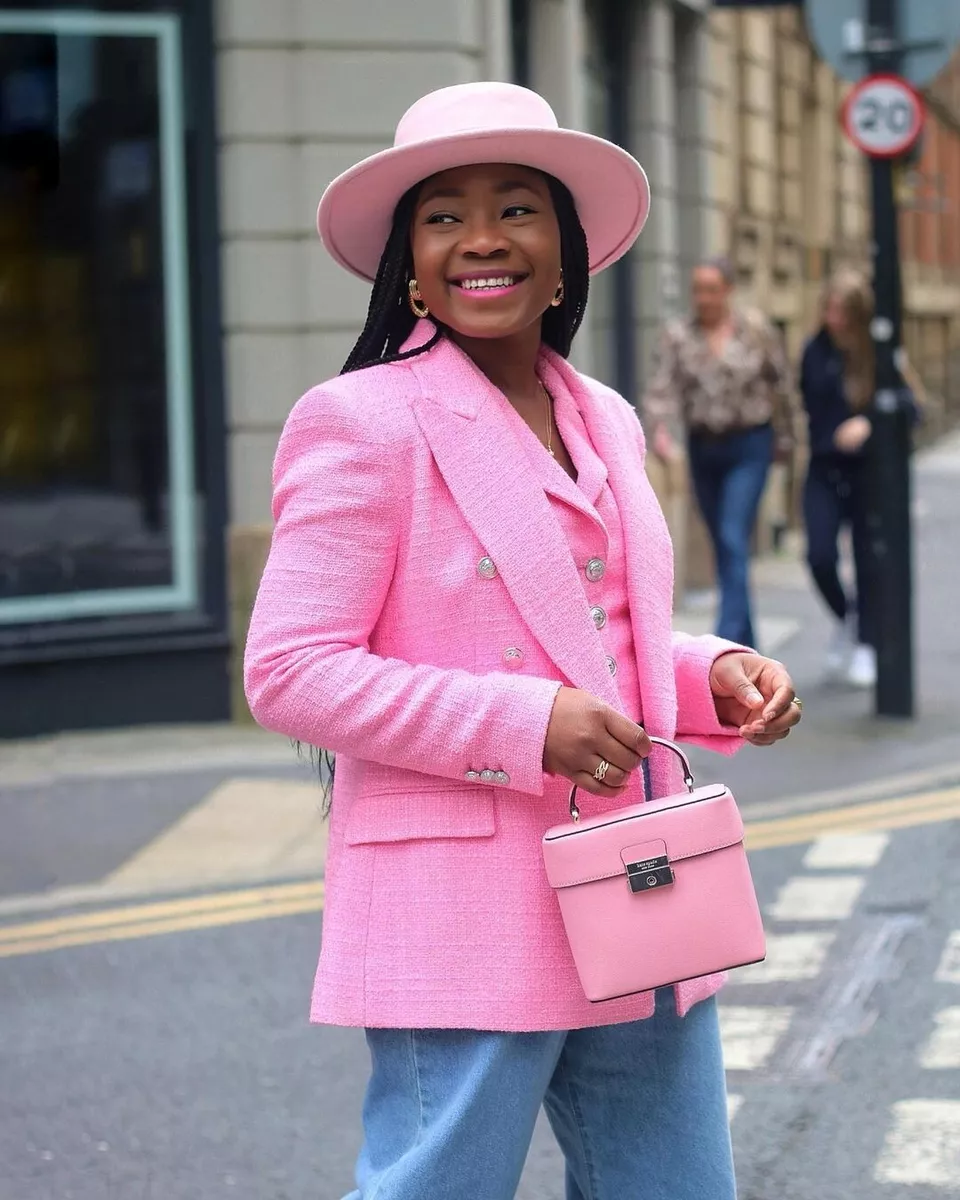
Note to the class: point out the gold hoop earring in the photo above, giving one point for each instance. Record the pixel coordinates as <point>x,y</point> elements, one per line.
<point>558,294</point>
<point>417,306</point>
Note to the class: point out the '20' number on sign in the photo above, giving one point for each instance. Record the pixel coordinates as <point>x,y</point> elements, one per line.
<point>884,116</point>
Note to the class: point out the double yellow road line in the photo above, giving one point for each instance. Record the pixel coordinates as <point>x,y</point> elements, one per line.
<point>211,910</point>
<point>118,924</point>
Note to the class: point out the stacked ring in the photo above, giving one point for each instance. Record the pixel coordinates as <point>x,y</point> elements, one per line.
<point>601,771</point>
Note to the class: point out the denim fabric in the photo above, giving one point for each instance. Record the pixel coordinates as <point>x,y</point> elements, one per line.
<point>638,1109</point>
<point>729,475</point>
<point>834,495</point>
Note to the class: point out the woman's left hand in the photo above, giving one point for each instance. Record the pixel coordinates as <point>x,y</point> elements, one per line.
<point>755,695</point>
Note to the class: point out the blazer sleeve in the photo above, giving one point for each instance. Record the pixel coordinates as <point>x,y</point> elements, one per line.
<point>339,502</point>
<point>697,721</point>
<point>693,657</point>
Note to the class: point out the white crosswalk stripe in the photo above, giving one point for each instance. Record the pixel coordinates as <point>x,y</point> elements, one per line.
<point>846,851</point>
<point>750,1033</point>
<point>942,1049</point>
<point>923,1145</point>
<point>817,898</point>
<point>790,957</point>
<point>949,969</point>
<point>733,1106</point>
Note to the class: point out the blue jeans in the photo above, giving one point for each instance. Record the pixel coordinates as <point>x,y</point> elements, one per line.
<point>638,1109</point>
<point>729,475</point>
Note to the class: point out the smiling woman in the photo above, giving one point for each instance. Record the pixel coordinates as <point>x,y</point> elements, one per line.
<point>468,600</point>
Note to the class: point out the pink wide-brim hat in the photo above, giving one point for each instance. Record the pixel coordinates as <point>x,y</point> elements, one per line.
<point>484,123</point>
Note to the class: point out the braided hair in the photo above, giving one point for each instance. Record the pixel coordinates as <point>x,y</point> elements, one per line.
<point>390,320</point>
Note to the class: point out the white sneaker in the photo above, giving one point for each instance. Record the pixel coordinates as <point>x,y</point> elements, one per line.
<point>839,653</point>
<point>862,672</point>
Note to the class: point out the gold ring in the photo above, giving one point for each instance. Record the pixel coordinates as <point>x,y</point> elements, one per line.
<point>601,771</point>
<point>798,702</point>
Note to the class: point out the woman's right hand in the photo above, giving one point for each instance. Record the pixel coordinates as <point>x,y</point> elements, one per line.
<point>582,731</point>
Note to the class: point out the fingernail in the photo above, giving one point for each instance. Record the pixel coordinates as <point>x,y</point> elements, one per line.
<point>755,697</point>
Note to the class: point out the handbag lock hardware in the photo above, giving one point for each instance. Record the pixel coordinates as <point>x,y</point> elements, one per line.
<point>650,874</point>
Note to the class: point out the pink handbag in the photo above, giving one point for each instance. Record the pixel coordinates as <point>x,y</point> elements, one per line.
<point>655,893</point>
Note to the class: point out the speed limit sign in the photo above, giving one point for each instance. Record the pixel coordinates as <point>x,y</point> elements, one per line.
<point>883,116</point>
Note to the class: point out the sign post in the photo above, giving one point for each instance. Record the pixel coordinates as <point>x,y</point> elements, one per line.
<point>884,116</point>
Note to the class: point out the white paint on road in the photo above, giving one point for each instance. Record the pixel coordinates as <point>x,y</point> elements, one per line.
<point>942,1051</point>
<point>790,957</point>
<point>733,1106</point>
<point>949,969</point>
<point>817,898</point>
<point>846,851</point>
<point>751,1033</point>
<point>923,1145</point>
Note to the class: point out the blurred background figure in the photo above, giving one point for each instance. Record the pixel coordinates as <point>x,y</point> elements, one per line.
<point>721,384</point>
<point>837,385</point>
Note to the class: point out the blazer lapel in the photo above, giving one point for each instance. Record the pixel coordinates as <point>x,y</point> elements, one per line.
<point>503,502</point>
<point>649,567</point>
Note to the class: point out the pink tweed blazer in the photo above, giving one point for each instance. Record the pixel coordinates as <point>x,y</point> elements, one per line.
<point>412,548</point>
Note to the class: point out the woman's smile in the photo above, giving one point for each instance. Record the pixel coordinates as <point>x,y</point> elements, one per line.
<point>483,285</point>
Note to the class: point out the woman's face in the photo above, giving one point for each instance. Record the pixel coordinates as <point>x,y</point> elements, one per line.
<point>835,318</point>
<point>486,248</point>
<point>711,295</point>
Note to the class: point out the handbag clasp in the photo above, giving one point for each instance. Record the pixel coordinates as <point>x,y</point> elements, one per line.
<point>650,874</point>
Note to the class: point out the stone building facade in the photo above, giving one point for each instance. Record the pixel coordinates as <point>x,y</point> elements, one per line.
<point>210,128</point>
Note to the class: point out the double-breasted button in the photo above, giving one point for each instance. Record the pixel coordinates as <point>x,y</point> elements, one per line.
<point>503,777</point>
<point>594,569</point>
<point>472,776</point>
<point>611,665</point>
<point>488,777</point>
<point>513,657</point>
<point>599,616</point>
<point>487,568</point>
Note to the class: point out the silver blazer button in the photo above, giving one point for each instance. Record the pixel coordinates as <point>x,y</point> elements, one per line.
<point>594,569</point>
<point>486,568</point>
<point>599,616</point>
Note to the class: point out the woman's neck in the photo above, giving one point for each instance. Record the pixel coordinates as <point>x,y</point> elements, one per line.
<point>510,363</point>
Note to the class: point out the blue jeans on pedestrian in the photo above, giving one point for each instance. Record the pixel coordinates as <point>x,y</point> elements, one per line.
<point>638,1110</point>
<point>729,475</point>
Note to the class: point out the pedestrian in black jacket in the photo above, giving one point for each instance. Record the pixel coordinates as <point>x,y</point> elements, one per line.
<point>837,384</point>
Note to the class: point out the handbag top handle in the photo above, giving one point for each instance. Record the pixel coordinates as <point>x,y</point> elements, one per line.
<point>656,741</point>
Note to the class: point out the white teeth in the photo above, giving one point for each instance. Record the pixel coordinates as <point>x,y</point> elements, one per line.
<point>474,284</point>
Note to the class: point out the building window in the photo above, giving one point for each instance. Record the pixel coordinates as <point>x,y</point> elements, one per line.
<point>99,508</point>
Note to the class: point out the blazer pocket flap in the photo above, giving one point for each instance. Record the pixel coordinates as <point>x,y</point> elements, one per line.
<point>466,812</point>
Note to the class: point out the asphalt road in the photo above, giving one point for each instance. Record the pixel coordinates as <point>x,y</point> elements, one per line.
<point>181,1066</point>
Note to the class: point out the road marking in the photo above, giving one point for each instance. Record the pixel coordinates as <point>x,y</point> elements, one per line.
<point>949,969</point>
<point>901,813</point>
<point>844,1008</point>
<point>790,958</point>
<point>942,1051</point>
<point>750,1033</point>
<point>923,1145</point>
<point>817,898</point>
<point>148,920</point>
<point>846,851</point>
<point>733,1106</point>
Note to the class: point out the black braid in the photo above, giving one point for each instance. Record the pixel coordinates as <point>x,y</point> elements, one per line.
<point>389,318</point>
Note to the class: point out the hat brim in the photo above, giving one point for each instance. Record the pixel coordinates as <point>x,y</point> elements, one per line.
<point>608,185</point>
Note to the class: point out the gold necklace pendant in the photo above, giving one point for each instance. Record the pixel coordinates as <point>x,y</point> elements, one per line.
<point>549,404</point>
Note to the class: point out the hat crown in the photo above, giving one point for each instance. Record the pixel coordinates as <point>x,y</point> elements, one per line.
<point>469,107</point>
